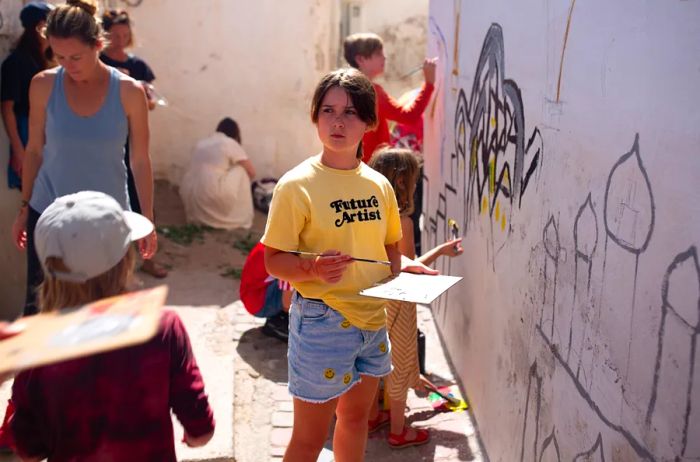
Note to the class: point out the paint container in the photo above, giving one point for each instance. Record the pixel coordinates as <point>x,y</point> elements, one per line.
<point>421,352</point>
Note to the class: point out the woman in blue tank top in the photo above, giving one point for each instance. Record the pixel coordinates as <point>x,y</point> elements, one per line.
<point>81,113</point>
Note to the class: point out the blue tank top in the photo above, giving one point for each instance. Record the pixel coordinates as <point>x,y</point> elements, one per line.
<point>82,153</point>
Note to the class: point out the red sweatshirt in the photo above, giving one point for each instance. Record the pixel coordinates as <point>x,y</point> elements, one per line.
<point>389,109</point>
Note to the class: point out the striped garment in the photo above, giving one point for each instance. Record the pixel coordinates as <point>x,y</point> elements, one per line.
<point>402,325</point>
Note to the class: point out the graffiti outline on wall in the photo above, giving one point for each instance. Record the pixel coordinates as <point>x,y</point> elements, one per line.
<point>670,417</point>
<point>493,162</point>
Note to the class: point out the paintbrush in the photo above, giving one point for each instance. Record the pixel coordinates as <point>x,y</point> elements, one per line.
<point>450,399</point>
<point>412,71</point>
<point>316,254</point>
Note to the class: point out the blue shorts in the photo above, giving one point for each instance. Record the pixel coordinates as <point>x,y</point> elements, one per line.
<point>273,302</point>
<point>327,354</point>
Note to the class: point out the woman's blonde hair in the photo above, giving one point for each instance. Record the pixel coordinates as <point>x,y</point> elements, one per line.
<point>402,168</point>
<point>55,294</point>
<point>75,19</point>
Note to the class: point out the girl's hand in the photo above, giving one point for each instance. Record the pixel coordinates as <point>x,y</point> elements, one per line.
<point>452,248</point>
<point>429,69</point>
<point>414,266</point>
<point>195,442</point>
<point>330,266</point>
<point>148,245</point>
<point>19,229</point>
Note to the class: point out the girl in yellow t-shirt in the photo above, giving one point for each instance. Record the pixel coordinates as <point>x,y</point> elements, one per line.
<point>336,207</point>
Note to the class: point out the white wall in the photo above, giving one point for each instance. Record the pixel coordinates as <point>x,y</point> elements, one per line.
<point>257,62</point>
<point>575,330</point>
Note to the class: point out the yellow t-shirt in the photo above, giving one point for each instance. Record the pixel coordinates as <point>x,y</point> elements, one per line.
<point>316,208</point>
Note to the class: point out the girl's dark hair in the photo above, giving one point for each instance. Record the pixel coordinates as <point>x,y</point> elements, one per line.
<point>359,89</point>
<point>115,18</point>
<point>229,127</point>
<point>401,167</point>
<point>112,18</point>
<point>75,19</point>
<point>29,43</point>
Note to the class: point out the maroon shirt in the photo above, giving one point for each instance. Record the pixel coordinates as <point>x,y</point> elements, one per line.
<point>113,406</point>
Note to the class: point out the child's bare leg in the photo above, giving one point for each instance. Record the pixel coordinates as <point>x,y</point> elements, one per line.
<point>311,424</point>
<point>374,409</point>
<point>398,418</point>
<point>350,437</point>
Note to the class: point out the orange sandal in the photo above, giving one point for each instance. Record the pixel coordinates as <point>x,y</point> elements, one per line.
<point>400,441</point>
<point>382,420</point>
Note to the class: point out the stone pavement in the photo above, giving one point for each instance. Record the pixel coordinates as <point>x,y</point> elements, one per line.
<point>263,406</point>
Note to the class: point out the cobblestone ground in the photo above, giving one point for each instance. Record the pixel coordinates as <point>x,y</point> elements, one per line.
<point>263,406</point>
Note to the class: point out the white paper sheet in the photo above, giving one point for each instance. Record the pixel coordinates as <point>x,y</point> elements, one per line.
<point>409,287</point>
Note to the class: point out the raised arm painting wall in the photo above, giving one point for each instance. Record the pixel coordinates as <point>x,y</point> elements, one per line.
<point>564,141</point>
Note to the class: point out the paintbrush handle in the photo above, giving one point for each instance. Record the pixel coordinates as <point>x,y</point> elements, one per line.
<point>316,254</point>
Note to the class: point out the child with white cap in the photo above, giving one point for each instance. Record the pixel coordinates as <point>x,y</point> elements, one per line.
<point>114,405</point>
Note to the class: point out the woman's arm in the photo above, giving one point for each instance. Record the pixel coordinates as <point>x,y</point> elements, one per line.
<point>135,105</point>
<point>39,92</point>
<point>328,267</point>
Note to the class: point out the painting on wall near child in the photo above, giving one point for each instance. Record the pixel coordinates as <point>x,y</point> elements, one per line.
<point>580,304</point>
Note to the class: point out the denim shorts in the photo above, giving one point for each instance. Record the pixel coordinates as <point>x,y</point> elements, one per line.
<point>327,354</point>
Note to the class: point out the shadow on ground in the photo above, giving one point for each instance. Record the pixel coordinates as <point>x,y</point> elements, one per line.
<point>265,355</point>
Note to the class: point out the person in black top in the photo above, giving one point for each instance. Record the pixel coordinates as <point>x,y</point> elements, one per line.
<point>117,24</point>
<point>28,59</point>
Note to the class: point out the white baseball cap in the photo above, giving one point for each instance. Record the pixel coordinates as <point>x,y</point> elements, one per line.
<point>89,231</point>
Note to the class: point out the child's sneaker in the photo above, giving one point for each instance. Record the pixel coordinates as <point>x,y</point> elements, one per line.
<point>277,326</point>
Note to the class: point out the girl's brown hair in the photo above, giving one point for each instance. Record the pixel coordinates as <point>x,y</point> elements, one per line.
<point>75,19</point>
<point>55,294</point>
<point>359,89</point>
<point>112,18</point>
<point>401,167</point>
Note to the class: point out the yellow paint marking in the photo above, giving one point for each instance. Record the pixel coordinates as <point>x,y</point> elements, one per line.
<point>484,205</point>
<point>503,222</point>
<point>492,177</point>
<point>472,156</point>
<point>497,212</point>
<point>493,122</point>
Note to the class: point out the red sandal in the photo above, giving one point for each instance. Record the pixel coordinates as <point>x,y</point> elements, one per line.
<point>400,441</point>
<point>382,420</point>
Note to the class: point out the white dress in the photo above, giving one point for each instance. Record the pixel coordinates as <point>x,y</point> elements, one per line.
<point>216,191</point>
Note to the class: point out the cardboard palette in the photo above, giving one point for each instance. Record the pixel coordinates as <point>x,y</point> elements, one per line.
<point>104,325</point>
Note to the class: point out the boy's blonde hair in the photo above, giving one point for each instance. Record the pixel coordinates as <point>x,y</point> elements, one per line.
<point>56,294</point>
<point>401,167</point>
<point>363,44</point>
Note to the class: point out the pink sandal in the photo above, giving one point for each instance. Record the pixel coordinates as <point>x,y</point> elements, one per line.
<point>400,441</point>
<point>382,420</point>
